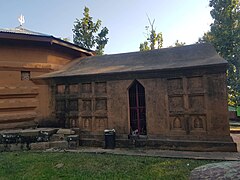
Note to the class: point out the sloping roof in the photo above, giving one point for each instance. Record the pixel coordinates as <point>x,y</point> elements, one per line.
<point>22,30</point>
<point>21,33</point>
<point>162,59</point>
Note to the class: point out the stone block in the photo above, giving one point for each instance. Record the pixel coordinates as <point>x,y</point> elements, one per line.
<point>16,147</point>
<point>48,131</point>
<point>39,146</point>
<point>65,131</point>
<point>76,130</point>
<point>30,133</point>
<point>59,144</point>
<point>2,147</point>
<point>73,138</point>
<point>57,137</point>
<point>73,144</point>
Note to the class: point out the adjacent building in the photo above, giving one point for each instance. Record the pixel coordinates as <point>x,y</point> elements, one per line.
<point>25,54</point>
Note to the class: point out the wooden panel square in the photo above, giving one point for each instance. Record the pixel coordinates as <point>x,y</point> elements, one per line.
<point>100,87</point>
<point>198,122</point>
<point>87,123</point>
<point>60,105</point>
<point>86,88</point>
<point>101,104</point>
<point>195,83</point>
<point>87,105</point>
<point>60,89</point>
<point>175,86</point>
<point>73,105</point>
<point>100,123</point>
<point>196,103</point>
<point>176,104</point>
<point>73,88</point>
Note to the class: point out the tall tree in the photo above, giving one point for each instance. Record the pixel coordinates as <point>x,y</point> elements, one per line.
<point>86,33</point>
<point>154,39</point>
<point>225,36</point>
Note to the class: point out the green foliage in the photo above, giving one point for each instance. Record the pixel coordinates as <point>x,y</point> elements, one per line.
<point>29,165</point>
<point>154,39</point>
<point>65,39</point>
<point>86,33</point>
<point>178,43</point>
<point>225,36</point>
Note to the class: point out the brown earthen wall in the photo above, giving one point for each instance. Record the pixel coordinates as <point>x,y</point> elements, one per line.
<point>23,103</point>
<point>187,107</point>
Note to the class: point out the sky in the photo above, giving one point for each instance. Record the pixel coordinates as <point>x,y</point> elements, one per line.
<point>183,20</point>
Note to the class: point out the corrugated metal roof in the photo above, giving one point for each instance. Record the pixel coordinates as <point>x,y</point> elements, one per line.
<point>22,30</point>
<point>167,58</point>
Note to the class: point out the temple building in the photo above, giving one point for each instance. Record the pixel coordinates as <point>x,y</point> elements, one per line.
<point>172,98</point>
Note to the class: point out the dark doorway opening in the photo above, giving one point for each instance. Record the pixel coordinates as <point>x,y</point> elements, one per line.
<point>137,109</point>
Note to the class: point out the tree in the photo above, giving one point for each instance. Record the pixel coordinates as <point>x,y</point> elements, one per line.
<point>86,33</point>
<point>154,40</point>
<point>225,36</point>
<point>178,43</point>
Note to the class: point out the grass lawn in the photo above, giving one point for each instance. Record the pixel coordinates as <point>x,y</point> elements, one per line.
<point>30,165</point>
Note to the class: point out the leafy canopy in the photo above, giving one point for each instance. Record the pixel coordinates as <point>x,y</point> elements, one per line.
<point>225,36</point>
<point>86,33</point>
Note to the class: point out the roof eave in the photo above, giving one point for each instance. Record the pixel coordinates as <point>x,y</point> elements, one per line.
<point>43,38</point>
<point>221,67</point>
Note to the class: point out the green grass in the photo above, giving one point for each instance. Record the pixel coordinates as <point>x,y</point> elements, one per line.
<point>29,165</point>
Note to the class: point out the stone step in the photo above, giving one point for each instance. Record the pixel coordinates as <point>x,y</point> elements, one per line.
<point>58,144</point>
<point>65,131</point>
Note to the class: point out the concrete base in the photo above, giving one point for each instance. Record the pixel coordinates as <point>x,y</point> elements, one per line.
<point>179,145</point>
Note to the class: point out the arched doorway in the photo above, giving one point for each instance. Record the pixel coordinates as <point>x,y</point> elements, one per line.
<point>137,109</point>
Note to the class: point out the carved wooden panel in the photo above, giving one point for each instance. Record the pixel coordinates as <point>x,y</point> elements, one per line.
<point>198,122</point>
<point>196,103</point>
<point>175,86</point>
<point>176,104</point>
<point>73,105</point>
<point>87,123</point>
<point>87,105</point>
<point>177,123</point>
<point>101,104</point>
<point>74,122</point>
<point>100,87</point>
<point>100,123</point>
<point>195,84</point>
<point>60,106</point>
<point>86,88</point>
<point>60,89</point>
<point>73,88</point>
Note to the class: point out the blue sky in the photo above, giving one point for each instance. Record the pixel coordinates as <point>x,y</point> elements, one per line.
<point>185,20</point>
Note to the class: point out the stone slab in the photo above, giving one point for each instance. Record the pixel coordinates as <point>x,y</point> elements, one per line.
<point>39,146</point>
<point>73,144</point>
<point>29,132</point>
<point>57,137</point>
<point>59,144</point>
<point>16,147</point>
<point>65,131</point>
<point>2,147</point>
<point>73,138</point>
<point>48,131</point>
